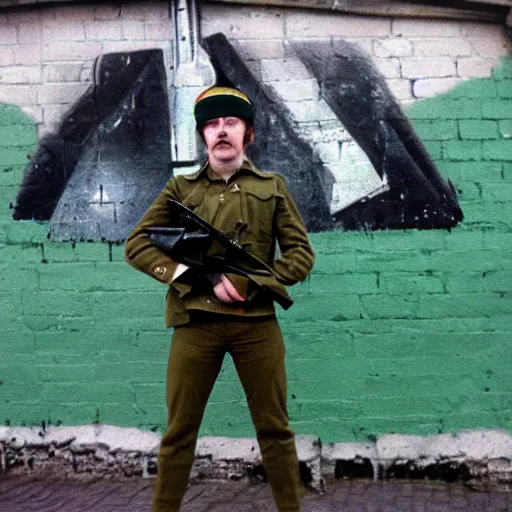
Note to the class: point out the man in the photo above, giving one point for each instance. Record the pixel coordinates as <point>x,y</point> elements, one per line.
<point>215,314</point>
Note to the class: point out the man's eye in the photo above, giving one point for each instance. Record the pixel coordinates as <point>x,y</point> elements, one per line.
<point>231,122</point>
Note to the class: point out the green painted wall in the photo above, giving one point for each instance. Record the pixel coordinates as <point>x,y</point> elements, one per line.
<point>394,331</point>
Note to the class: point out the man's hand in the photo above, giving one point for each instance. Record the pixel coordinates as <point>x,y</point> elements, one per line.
<point>225,291</point>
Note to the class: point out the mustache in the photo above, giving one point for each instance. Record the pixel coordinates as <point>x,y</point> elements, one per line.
<point>223,141</point>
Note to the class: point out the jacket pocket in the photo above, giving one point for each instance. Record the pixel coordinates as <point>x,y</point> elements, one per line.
<point>258,213</point>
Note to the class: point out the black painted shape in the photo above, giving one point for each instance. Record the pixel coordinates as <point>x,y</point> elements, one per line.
<point>357,93</point>
<point>277,147</point>
<point>110,157</point>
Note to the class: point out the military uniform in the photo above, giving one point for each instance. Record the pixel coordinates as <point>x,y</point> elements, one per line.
<point>256,209</point>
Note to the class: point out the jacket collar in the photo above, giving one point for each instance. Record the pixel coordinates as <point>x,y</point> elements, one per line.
<point>206,171</point>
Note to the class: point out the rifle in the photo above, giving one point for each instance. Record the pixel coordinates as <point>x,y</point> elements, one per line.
<point>196,243</point>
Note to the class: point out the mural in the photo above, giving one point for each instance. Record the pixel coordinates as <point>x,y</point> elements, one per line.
<point>120,143</point>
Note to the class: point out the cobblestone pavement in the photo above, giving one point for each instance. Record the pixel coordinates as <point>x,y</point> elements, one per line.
<point>24,494</point>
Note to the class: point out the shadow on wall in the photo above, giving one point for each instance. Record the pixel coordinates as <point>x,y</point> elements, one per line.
<point>96,176</point>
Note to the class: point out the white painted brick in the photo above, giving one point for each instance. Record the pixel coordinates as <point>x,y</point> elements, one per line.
<point>310,111</point>
<point>159,30</point>
<point>18,94</point>
<point>475,67</point>
<point>257,50</point>
<point>300,25</point>
<point>86,74</point>
<point>393,47</point>
<point>297,90</point>
<point>63,94</point>
<point>53,114</point>
<point>430,87</point>
<point>242,22</point>
<point>328,151</point>
<point>72,50</point>
<point>63,72</point>
<point>108,12</point>
<point>488,48</point>
<point>133,46</point>
<point>8,35</point>
<point>439,67</point>
<point>28,55</point>
<point>29,33</point>
<point>400,88</point>
<point>7,55</point>
<point>278,70</point>
<point>74,13</point>
<point>426,28</point>
<point>483,30</point>
<point>102,31</point>
<point>30,16</point>
<point>157,11</point>
<point>20,75</point>
<point>35,113</point>
<point>133,29</point>
<point>443,47</point>
<point>390,68</point>
<point>58,31</point>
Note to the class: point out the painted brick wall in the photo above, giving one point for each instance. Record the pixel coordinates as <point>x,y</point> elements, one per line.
<point>397,331</point>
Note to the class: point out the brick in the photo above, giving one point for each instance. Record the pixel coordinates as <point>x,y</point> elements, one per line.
<point>297,90</point>
<point>348,283</point>
<point>8,35</point>
<point>497,281</point>
<point>496,240</point>
<point>464,305</point>
<point>474,67</point>
<point>431,87</point>
<point>459,240</point>
<point>244,23</point>
<point>20,75</point>
<point>388,306</point>
<point>18,95</point>
<point>308,111</point>
<point>389,68</point>
<point>58,31</point>
<point>72,50</point>
<point>462,150</point>
<point>7,56</point>
<point>28,55</point>
<point>442,47</point>
<point>478,130</point>
<point>94,392</point>
<point>65,373</point>
<point>392,47</point>
<point>17,135</point>
<point>446,108</point>
<point>150,12</point>
<point>155,393</point>
<point>102,30</point>
<point>321,309</point>
<point>336,263</point>
<point>483,30</point>
<point>471,260</point>
<point>400,88</point>
<point>305,409</point>
<point>132,46</point>
<point>489,215</point>
<point>504,70</point>
<point>132,372</point>
<point>62,72</point>
<point>428,67</point>
<point>393,261</point>
<point>505,128</point>
<point>497,109</point>
<point>29,34</point>
<point>425,28</point>
<point>497,150</point>
<point>256,50</point>
<point>277,70</point>
<point>497,192</point>
<point>410,284</point>
<point>463,282</point>
<point>436,130</point>
<point>66,340</point>
<point>133,29</point>
<point>480,88</point>
<point>156,31</point>
<point>469,191</point>
<point>63,94</point>
<point>505,88</point>
<point>320,25</point>
<point>480,171</point>
<point>489,47</point>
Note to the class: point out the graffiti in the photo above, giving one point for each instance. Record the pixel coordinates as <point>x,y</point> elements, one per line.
<point>357,165</point>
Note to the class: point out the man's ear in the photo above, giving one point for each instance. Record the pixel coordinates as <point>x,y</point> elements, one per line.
<point>249,135</point>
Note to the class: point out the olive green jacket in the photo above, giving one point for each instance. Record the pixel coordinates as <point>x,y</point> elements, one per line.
<point>253,207</point>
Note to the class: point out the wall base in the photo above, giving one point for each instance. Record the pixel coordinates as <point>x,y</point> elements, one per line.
<point>482,459</point>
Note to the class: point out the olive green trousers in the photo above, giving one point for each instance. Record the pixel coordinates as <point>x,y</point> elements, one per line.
<point>195,359</point>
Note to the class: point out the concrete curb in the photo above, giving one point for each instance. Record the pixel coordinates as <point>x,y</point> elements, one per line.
<point>480,458</point>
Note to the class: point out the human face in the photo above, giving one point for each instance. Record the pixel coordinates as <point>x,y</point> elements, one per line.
<point>224,139</point>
